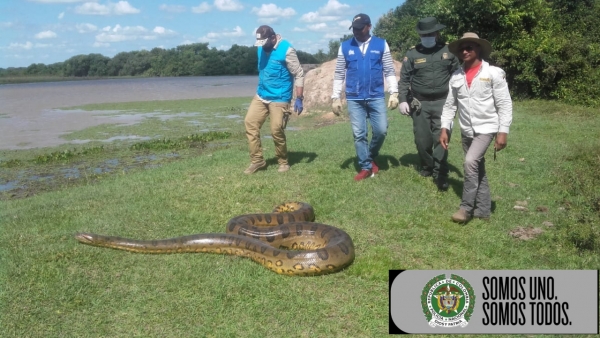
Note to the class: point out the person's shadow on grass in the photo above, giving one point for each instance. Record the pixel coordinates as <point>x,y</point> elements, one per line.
<point>412,160</point>
<point>384,162</point>
<point>295,157</point>
<point>457,187</point>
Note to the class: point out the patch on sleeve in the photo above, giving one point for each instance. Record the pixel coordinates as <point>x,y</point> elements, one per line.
<point>405,59</point>
<point>485,79</point>
<point>423,60</point>
<point>445,56</point>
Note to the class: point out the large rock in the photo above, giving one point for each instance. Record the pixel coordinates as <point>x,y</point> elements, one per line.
<point>318,86</point>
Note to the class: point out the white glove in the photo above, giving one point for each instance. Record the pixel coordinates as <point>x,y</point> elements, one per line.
<point>404,108</point>
<point>393,102</point>
<point>336,105</point>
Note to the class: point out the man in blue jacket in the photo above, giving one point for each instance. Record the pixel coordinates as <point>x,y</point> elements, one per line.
<point>278,70</point>
<point>363,62</point>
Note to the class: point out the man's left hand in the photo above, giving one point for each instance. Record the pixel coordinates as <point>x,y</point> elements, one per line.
<point>500,141</point>
<point>393,102</point>
<point>298,107</point>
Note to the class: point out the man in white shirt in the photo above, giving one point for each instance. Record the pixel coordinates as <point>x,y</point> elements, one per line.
<point>480,93</point>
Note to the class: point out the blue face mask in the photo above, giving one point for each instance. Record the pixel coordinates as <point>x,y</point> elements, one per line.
<point>428,41</point>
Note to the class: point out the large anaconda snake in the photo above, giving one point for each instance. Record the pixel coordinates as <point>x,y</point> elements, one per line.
<point>286,241</point>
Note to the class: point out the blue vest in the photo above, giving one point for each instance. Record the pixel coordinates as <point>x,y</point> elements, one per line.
<point>275,82</point>
<point>364,74</point>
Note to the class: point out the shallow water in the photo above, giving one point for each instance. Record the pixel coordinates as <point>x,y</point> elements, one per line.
<point>32,118</point>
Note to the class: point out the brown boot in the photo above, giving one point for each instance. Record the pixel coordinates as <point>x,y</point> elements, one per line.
<point>283,168</point>
<point>254,167</point>
<point>461,216</point>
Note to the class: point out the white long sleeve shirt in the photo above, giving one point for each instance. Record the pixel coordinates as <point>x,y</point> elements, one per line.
<point>484,108</point>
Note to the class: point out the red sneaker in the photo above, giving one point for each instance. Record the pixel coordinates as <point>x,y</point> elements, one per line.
<point>375,168</point>
<point>363,174</point>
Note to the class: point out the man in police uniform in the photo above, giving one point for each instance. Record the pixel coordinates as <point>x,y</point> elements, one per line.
<point>426,70</point>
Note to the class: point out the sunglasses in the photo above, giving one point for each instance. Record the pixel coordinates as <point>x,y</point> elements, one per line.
<point>467,48</point>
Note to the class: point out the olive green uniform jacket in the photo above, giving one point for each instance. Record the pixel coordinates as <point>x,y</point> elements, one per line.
<point>426,72</point>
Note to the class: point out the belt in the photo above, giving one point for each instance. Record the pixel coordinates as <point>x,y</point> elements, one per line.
<point>430,97</point>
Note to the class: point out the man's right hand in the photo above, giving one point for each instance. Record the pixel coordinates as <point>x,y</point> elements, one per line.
<point>444,138</point>
<point>336,105</point>
<point>404,108</point>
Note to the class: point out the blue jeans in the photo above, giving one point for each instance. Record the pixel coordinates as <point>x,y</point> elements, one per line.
<point>374,111</point>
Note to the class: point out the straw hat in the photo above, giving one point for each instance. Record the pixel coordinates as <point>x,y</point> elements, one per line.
<point>486,47</point>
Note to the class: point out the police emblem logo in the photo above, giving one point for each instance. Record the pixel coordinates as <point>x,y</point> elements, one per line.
<point>448,302</point>
<point>405,59</point>
<point>445,56</point>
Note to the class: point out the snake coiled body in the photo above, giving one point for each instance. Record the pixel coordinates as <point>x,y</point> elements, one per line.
<point>286,241</point>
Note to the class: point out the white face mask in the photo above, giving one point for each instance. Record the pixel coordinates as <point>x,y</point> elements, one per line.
<point>428,42</point>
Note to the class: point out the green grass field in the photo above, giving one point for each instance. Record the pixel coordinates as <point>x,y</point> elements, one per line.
<point>52,286</point>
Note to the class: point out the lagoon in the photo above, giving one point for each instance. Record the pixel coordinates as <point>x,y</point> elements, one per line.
<point>32,115</point>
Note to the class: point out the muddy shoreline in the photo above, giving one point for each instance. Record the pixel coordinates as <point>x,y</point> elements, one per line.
<point>31,114</point>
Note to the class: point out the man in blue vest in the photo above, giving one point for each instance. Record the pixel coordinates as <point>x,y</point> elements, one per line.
<point>278,70</point>
<point>363,62</point>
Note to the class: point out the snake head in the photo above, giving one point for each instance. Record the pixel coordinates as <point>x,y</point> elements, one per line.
<point>84,237</point>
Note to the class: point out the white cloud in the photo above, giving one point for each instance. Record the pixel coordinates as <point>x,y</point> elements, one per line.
<point>270,13</point>
<point>119,8</point>
<point>119,33</point>
<point>333,7</point>
<point>107,37</point>
<point>223,47</point>
<point>130,33</point>
<point>123,7</point>
<point>101,44</point>
<point>319,27</point>
<point>345,24</point>
<point>6,24</point>
<point>332,11</point>
<point>92,8</point>
<point>237,31</point>
<point>61,15</point>
<point>202,8</point>
<point>162,31</point>
<point>316,17</point>
<point>27,45</point>
<point>213,36</point>
<point>45,35</point>
<point>86,28</point>
<point>172,8</point>
<point>228,5</point>
<point>333,36</point>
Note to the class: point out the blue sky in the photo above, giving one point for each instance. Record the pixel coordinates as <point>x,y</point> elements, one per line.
<point>49,31</point>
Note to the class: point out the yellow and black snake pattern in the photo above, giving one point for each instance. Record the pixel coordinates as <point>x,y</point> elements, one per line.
<point>286,241</point>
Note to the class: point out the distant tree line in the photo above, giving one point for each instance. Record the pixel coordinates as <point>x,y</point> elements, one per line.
<point>549,48</point>
<point>186,60</point>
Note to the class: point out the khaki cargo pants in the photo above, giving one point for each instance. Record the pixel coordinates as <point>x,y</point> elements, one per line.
<point>255,118</point>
